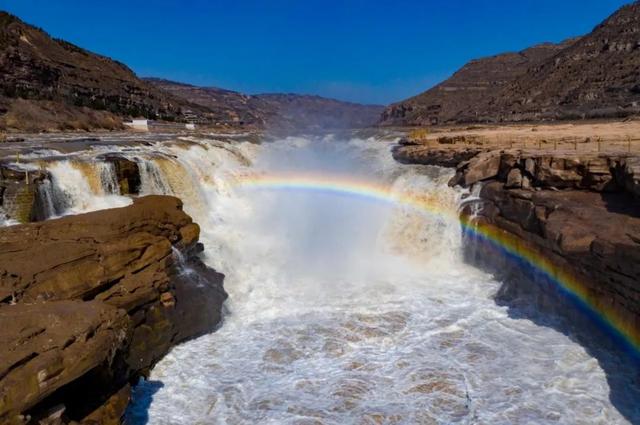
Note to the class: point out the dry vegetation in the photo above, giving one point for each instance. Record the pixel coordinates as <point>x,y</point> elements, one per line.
<point>580,136</point>
<point>36,116</point>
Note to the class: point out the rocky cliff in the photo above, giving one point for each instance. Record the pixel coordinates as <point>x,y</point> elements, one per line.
<point>274,111</point>
<point>50,84</point>
<point>89,303</point>
<point>581,212</point>
<point>593,76</point>
<point>459,98</point>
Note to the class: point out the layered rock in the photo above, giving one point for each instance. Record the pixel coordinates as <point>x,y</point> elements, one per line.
<point>88,303</point>
<point>557,170</point>
<point>417,153</point>
<point>580,212</point>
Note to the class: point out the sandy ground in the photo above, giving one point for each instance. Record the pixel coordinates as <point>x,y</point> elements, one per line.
<point>580,136</point>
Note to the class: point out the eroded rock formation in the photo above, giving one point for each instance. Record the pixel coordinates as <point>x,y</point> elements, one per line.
<point>579,211</point>
<point>89,303</point>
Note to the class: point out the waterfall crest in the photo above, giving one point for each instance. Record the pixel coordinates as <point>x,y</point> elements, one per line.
<point>342,309</point>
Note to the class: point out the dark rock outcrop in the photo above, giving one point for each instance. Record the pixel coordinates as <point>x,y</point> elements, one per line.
<point>593,235</point>
<point>88,303</point>
<point>127,173</point>
<point>594,76</point>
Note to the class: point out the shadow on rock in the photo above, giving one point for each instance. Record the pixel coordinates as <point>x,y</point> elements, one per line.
<point>621,203</point>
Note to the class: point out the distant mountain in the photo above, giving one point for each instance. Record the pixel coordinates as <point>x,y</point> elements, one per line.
<point>273,111</point>
<point>225,106</point>
<point>593,76</point>
<point>47,83</point>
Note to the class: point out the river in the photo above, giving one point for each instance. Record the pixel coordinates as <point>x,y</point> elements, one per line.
<point>344,307</point>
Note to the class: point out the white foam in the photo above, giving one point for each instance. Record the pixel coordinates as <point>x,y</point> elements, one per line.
<point>347,311</point>
<point>343,310</point>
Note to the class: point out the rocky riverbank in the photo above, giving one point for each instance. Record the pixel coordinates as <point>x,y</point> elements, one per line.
<point>579,211</point>
<point>89,303</point>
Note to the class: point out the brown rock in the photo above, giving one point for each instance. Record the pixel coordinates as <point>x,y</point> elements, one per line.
<point>482,167</point>
<point>112,411</point>
<point>514,179</point>
<point>425,155</point>
<point>99,298</point>
<point>45,346</point>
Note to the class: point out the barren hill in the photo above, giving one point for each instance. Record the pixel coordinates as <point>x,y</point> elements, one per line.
<point>593,76</point>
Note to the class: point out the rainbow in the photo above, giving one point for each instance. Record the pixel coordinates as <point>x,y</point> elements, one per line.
<point>506,243</point>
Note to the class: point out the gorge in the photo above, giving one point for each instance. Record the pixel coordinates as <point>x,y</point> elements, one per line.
<point>354,291</point>
<point>173,252</point>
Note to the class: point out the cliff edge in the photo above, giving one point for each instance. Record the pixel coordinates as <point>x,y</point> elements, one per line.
<point>89,303</point>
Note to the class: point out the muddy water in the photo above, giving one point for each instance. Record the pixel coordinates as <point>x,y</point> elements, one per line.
<point>344,309</point>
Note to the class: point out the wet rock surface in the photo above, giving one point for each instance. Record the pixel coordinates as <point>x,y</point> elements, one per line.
<point>19,190</point>
<point>127,173</point>
<point>89,303</point>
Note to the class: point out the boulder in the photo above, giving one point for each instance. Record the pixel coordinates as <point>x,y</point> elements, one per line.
<point>483,167</point>
<point>514,179</point>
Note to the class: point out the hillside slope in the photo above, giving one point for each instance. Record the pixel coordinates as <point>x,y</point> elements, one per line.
<point>598,76</point>
<point>588,77</point>
<point>45,79</point>
<point>274,111</point>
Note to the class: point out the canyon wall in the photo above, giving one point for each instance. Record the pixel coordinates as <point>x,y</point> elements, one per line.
<point>579,211</point>
<point>89,303</point>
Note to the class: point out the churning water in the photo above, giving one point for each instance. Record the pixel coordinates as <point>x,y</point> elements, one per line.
<point>342,309</point>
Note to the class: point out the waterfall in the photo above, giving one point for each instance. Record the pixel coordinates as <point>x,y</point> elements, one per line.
<point>50,203</point>
<point>152,180</point>
<point>80,186</point>
<point>108,178</point>
<point>344,306</point>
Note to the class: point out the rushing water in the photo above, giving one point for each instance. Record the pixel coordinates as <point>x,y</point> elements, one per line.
<point>342,309</point>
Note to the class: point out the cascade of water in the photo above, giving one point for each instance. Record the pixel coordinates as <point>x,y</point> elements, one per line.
<point>357,311</point>
<point>342,309</point>
<point>152,180</point>
<point>79,188</point>
<point>108,178</point>
<point>49,205</point>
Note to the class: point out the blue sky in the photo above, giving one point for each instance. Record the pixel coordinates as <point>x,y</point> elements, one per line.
<point>364,51</point>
